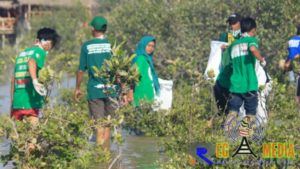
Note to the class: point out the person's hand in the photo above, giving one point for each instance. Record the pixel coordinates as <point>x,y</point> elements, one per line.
<point>39,88</point>
<point>281,64</point>
<point>224,46</point>
<point>263,62</point>
<point>124,100</point>
<point>130,95</point>
<point>127,97</point>
<point>77,94</point>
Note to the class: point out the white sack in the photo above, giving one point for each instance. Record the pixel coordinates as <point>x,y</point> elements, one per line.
<point>214,60</point>
<point>164,101</point>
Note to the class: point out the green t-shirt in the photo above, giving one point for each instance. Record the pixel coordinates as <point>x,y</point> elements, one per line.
<point>93,53</point>
<point>226,70</point>
<point>144,89</point>
<point>243,78</point>
<point>25,96</point>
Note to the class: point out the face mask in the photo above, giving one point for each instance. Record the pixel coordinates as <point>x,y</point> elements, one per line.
<point>235,33</point>
<point>245,34</point>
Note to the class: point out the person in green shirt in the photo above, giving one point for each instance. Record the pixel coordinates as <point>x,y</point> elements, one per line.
<point>221,87</point>
<point>148,86</point>
<point>93,54</point>
<point>243,81</point>
<point>27,94</point>
<point>234,31</point>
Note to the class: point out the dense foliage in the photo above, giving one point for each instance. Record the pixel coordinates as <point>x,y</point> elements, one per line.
<point>183,30</point>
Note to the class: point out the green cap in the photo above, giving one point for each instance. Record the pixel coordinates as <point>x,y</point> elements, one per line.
<point>98,23</point>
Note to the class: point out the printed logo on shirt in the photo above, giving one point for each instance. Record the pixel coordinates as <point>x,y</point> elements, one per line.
<point>293,43</point>
<point>23,54</point>
<point>239,50</point>
<point>22,81</point>
<point>99,48</point>
<point>21,74</point>
<point>23,67</point>
<point>22,60</point>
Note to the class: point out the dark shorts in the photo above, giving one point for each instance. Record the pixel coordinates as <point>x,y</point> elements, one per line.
<point>20,113</point>
<point>221,95</point>
<point>298,86</point>
<point>249,100</point>
<point>100,108</point>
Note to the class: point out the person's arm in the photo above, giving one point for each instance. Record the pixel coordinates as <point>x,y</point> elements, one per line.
<point>287,65</point>
<point>80,73</point>
<point>79,77</point>
<point>12,88</point>
<point>40,88</point>
<point>257,54</point>
<point>32,68</point>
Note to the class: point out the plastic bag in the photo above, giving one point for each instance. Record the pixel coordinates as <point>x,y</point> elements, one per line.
<point>214,60</point>
<point>164,100</point>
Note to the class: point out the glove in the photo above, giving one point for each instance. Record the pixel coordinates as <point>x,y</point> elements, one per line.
<point>263,63</point>
<point>39,88</point>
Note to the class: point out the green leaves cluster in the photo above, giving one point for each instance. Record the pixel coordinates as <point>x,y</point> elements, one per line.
<point>119,69</point>
<point>195,23</point>
<point>60,140</point>
<point>47,76</point>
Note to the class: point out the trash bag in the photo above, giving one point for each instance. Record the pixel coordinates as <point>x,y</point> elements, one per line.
<point>214,60</point>
<point>164,100</point>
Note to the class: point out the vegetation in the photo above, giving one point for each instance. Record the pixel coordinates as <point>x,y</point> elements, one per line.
<point>119,70</point>
<point>183,30</point>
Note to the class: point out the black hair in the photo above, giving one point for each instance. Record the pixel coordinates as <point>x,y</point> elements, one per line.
<point>298,30</point>
<point>48,34</point>
<point>247,24</point>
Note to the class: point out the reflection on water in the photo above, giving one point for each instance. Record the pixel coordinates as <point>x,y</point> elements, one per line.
<point>138,152</point>
<point>4,149</point>
<point>4,98</point>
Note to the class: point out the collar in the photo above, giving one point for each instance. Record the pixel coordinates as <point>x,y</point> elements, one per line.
<point>38,44</point>
<point>100,37</point>
<point>245,34</point>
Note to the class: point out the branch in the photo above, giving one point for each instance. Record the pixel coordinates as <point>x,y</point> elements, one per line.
<point>14,127</point>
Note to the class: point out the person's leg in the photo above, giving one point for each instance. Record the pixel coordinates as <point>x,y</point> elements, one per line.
<point>106,138</point>
<point>30,114</point>
<point>298,91</point>
<point>96,108</point>
<point>33,120</point>
<point>221,96</point>
<point>235,102</point>
<point>250,104</point>
<point>110,107</point>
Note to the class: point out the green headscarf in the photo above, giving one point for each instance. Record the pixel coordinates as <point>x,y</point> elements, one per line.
<point>141,51</point>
